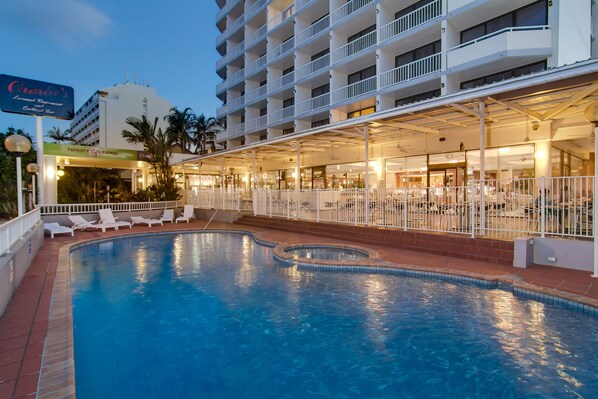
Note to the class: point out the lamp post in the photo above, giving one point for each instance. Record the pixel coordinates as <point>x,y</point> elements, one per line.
<point>33,168</point>
<point>591,114</point>
<point>18,145</point>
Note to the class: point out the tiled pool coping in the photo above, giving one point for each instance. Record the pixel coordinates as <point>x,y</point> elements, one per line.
<point>57,376</point>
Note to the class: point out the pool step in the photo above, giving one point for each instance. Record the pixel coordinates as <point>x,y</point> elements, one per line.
<point>458,246</point>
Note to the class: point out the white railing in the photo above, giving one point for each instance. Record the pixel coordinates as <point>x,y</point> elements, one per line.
<point>230,29</point>
<point>74,209</point>
<point>503,209</point>
<point>499,32</point>
<point>281,49</point>
<point>256,65</point>
<point>411,20</point>
<point>221,111</point>
<point>15,229</point>
<point>313,30</point>
<point>236,103</point>
<point>354,90</point>
<point>282,114</point>
<point>312,67</point>
<point>347,9</point>
<point>254,8</point>
<point>281,17</point>
<point>236,77</point>
<point>221,86</point>
<point>257,93</point>
<point>257,35</point>
<point>412,70</point>
<point>230,4</point>
<point>217,198</point>
<point>354,47</point>
<point>256,123</point>
<point>283,81</point>
<point>313,103</point>
<point>236,130</point>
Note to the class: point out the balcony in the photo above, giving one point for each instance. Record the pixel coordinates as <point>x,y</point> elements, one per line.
<point>363,87</point>
<point>231,55</point>
<point>313,30</point>
<point>503,49</point>
<point>230,4</point>
<point>232,132</point>
<point>281,82</point>
<point>257,35</point>
<point>256,65</point>
<point>282,49</point>
<point>282,115</point>
<point>356,46</point>
<point>347,9</point>
<point>412,20</point>
<point>256,124</point>
<point>221,111</point>
<point>281,17</point>
<point>235,78</point>
<point>255,8</point>
<point>256,94</point>
<point>313,104</point>
<point>230,30</point>
<point>309,69</point>
<point>413,70</point>
<point>236,104</point>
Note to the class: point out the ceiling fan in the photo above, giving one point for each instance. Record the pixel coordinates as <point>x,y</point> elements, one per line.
<point>400,146</point>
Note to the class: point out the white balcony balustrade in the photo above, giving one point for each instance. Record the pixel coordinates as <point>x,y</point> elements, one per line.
<point>220,87</point>
<point>232,28</point>
<point>253,9</point>
<point>356,89</point>
<point>282,49</point>
<point>256,65</point>
<point>281,17</point>
<point>314,66</point>
<point>354,47</point>
<point>237,103</point>
<point>230,4</point>
<point>411,20</point>
<point>412,70</point>
<point>347,9</point>
<point>283,114</point>
<point>235,78</point>
<point>283,81</point>
<point>221,111</point>
<point>313,30</point>
<point>256,124</point>
<point>257,35</point>
<point>256,94</point>
<point>313,104</point>
<point>232,132</point>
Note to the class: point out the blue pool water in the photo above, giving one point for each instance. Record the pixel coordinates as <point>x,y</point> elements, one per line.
<point>212,316</point>
<point>326,253</point>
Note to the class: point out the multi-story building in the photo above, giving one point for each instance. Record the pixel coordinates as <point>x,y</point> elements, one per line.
<point>291,66</point>
<point>101,120</point>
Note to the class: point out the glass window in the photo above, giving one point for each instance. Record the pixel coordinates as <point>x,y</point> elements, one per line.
<point>417,97</point>
<point>362,75</point>
<point>533,15</point>
<point>496,24</point>
<point>289,102</point>
<point>318,91</point>
<point>361,34</point>
<point>361,112</point>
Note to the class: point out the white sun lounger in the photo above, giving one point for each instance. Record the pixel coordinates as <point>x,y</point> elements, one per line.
<point>188,214</point>
<point>79,223</point>
<point>55,228</point>
<point>168,216</point>
<point>108,219</point>
<point>141,220</point>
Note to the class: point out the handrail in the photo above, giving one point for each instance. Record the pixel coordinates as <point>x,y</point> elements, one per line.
<point>412,70</point>
<point>499,32</point>
<point>69,209</point>
<point>353,90</point>
<point>354,47</point>
<point>409,21</point>
<point>13,230</point>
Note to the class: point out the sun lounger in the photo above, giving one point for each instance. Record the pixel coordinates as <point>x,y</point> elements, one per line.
<point>108,219</point>
<point>79,223</point>
<point>55,228</point>
<point>168,216</point>
<point>141,220</point>
<point>188,213</point>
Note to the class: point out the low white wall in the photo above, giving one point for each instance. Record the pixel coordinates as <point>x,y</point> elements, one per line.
<point>570,254</point>
<point>15,264</point>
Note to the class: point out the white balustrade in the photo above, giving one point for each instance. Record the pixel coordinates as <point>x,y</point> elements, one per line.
<point>354,47</point>
<point>15,229</point>
<point>313,30</point>
<point>362,87</point>
<point>312,67</point>
<point>257,93</point>
<point>256,65</point>
<point>411,20</point>
<point>281,49</point>
<point>281,82</point>
<point>282,114</point>
<point>412,70</point>
<point>347,9</point>
<point>313,103</point>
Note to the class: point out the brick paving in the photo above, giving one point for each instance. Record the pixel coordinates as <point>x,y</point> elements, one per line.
<point>24,325</point>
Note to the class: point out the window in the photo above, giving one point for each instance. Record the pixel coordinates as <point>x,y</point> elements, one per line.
<point>242,140</point>
<point>243,119</point>
<point>264,137</point>
<point>412,8</point>
<point>320,54</point>
<point>362,75</point>
<point>417,54</point>
<point>361,34</point>
<point>318,91</point>
<point>321,122</point>
<point>361,112</point>
<point>319,19</point>
<point>289,102</point>
<point>531,15</point>
<point>508,74</point>
<point>263,83</point>
<point>289,130</point>
<point>417,97</point>
<point>263,111</point>
<point>288,70</point>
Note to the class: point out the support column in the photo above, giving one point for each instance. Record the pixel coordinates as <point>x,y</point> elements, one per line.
<point>594,207</point>
<point>41,176</point>
<point>298,181</point>
<point>366,133</point>
<point>254,178</point>
<point>482,110</point>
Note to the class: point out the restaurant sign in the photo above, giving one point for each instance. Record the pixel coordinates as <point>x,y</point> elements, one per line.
<point>32,97</point>
<point>83,151</point>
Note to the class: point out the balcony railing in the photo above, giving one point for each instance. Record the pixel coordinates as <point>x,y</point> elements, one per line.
<point>313,30</point>
<point>235,78</point>
<point>231,55</point>
<point>500,32</point>
<point>255,8</point>
<point>281,82</point>
<point>74,209</point>
<point>257,123</point>
<point>354,47</point>
<point>257,35</point>
<point>230,4</point>
<point>232,28</point>
<point>282,49</point>
<point>412,70</point>
<point>281,17</point>
<point>220,87</point>
<point>15,229</point>
<point>257,93</point>
<point>313,103</point>
<point>234,131</point>
<point>237,103</point>
<point>354,90</point>
<point>347,9</point>
<point>314,66</point>
<point>411,20</point>
<point>256,65</point>
<point>282,114</point>
<point>221,111</point>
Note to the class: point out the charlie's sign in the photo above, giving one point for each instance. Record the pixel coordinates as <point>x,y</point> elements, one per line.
<point>32,97</point>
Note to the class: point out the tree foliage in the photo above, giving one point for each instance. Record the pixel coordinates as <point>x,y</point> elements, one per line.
<point>180,127</point>
<point>205,133</point>
<point>58,135</point>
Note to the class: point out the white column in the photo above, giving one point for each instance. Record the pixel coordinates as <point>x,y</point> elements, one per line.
<point>41,176</point>
<point>19,186</point>
<point>254,179</point>
<point>482,105</point>
<point>298,181</point>
<point>49,187</point>
<point>367,173</point>
<point>595,197</point>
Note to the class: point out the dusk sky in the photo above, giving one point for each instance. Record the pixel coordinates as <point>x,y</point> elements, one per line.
<point>93,44</point>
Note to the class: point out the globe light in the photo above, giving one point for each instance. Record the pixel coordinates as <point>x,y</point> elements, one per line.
<point>60,172</point>
<point>18,145</point>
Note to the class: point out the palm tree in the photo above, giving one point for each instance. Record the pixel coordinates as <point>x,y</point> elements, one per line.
<point>180,124</point>
<point>205,132</point>
<point>56,134</point>
<point>157,144</point>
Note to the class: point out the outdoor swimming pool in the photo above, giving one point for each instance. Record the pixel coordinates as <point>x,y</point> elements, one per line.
<point>212,316</point>
<point>326,252</point>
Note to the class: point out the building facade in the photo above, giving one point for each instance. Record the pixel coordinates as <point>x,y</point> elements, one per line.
<point>101,120</point>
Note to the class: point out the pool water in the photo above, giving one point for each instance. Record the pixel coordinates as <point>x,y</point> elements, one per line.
<point>326,253</point>
<point>212,316</point>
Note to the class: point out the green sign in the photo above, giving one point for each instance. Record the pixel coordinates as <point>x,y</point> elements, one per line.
<point>83,151</point>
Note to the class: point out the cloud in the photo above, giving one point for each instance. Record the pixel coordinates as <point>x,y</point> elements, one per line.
<point>71,24</point>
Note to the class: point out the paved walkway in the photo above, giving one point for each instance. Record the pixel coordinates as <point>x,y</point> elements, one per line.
<point>23,326</point>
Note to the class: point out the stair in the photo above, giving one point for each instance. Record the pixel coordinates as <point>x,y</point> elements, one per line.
<point>454,245</point>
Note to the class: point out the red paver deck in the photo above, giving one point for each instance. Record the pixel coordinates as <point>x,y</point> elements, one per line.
<point>24,325</point>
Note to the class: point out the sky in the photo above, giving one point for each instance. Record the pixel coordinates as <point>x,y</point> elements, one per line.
<point>94,44</point>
